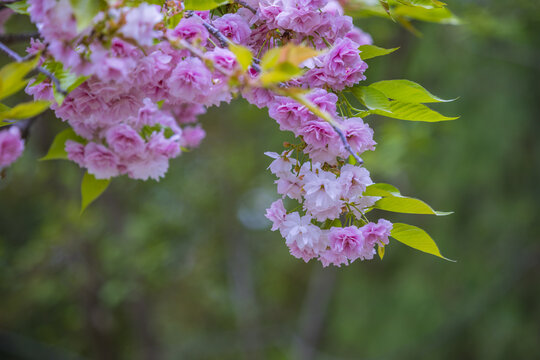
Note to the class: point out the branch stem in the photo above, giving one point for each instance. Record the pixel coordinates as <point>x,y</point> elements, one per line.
<point>326,116</point>
<point>246,5</point>
<point>11,38</point>
<point>12,54</point>
<point>317,111</point>
<point>223,40</point>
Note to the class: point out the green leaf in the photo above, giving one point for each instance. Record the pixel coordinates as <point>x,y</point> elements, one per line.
<point>290,53</point>
<point>57,149</point>
<point>371,51</point>
<point>91,189</point>
<point>416,238</point>
<point>406,91</point>
<point>283,72</point>
<point>174,20</point>
<point>270,59</point>
<point>5,122</point>
<point>203,4</point>
<point>406,205</point>
<point>12,77</point>
<point>437,15</point>
<point>25,110</point>
<point>336,223</point>
<point>381,189</point>
<point>297,54</point>
<point>380,251</point>
<point>85,11</point>
<point>243,55</point>
<point>68,80</point>
<point>386,7</point>
<point>371,98</point>
<point>392,200</point>
<point>412,112</point>
<point>20,7</point>
<point>428,4</point>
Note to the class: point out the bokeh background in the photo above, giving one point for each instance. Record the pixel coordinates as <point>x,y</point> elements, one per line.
<point>188,269</point>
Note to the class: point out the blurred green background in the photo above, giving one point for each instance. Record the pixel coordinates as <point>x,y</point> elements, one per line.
<point>188,269</point>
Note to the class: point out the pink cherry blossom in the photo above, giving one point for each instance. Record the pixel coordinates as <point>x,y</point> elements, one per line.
<point>276,214</point>
<point>11,146</point>
<point>100,161</point>
<point>377,233</point>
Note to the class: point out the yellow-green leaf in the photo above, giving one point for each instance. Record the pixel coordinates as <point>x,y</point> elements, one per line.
<point>371,98</point>
<point>416,238</point>
<point>290,53</point>
<point>406,205</point>
<point>438,15</point>
<point>380,251</point>
<point>203,4</point>
<point>371,51</point>
<point>406,91</point>
<point>428,4</point>
<point>283,72</point>
<point>20,7</point>
<point>243,55</point>
<point>85,11</point>
<point>68,80</point>
<point>12,77</point>
<point>386,7</point>
<point>91,189</point>
<point>412,112</point>
<point>381,189</point>
<point>57,149</point>
<point>25,110</point>
<point>297,54</point>
<point>270,59</point>
<point>392,200</point>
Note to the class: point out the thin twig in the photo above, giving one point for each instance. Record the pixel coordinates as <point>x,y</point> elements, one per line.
<point>11,38</point>
<point>195,51</point>
<point>326,116</point>
<point>223,40</point>
<point>246,5</point>
<point>25,125</point>
<point>12,54</point>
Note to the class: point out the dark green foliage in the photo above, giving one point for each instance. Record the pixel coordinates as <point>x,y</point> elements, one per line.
<point>187,269</point>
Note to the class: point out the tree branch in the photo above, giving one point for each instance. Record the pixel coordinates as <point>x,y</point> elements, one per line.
<point>25,125</point>
<point>12,54</point>
<point>11,38</point>
<point>298,97</point>
<point>326,116</point>
<point>223,40</point>
<point>244,4</point>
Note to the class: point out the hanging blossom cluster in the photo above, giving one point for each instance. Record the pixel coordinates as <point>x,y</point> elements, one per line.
<point>151,70</point>
<point>11,146</point>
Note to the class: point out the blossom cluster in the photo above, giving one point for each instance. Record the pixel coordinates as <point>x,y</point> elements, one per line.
<point>151,70</point>
<point>327,194</point>
<point>11,146</point>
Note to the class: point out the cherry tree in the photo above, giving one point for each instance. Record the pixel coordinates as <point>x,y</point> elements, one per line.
<point>131,78</point>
